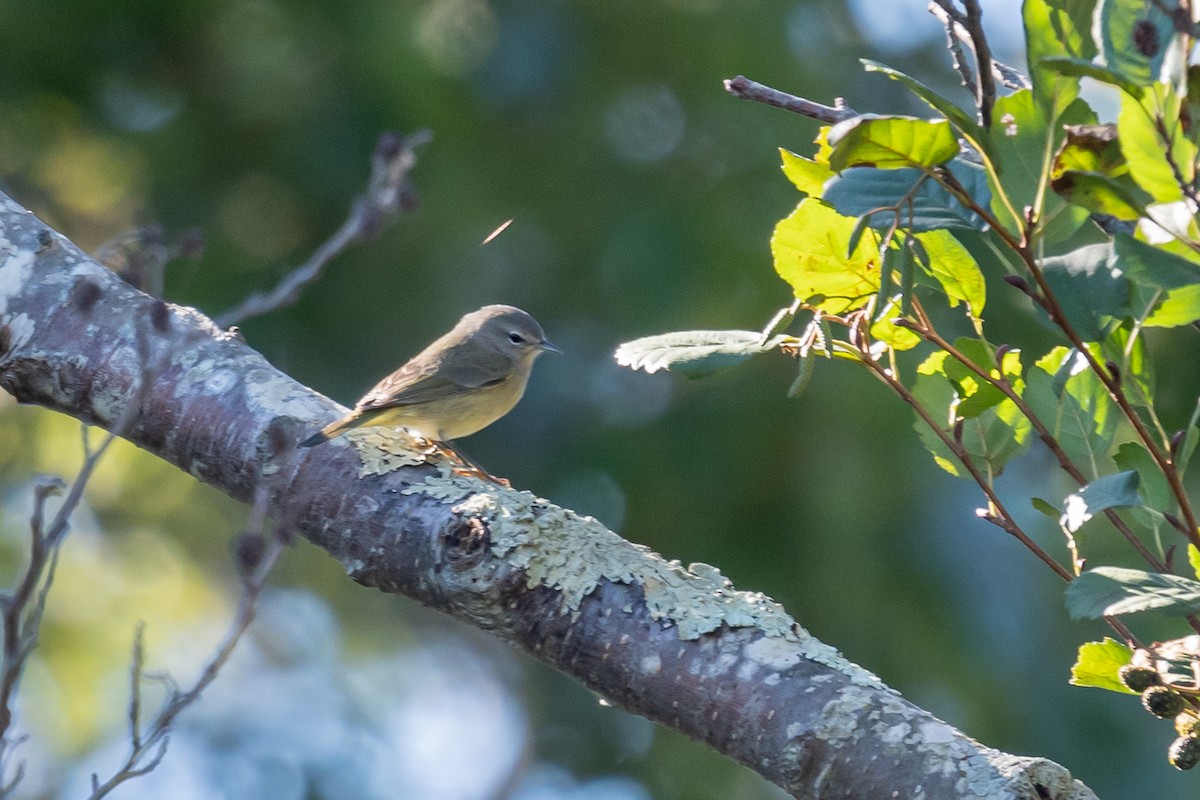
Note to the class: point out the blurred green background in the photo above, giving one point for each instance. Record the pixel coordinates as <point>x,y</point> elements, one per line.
<point>642,199</point>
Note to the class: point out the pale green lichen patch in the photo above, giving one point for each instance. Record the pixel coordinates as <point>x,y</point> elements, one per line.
<point>572,554</point>
<point>383,450</point>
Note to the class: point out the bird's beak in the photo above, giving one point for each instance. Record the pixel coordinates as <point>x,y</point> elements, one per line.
<point>549,345</point>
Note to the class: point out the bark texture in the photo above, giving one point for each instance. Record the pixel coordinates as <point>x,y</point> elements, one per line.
<point>678,645</point>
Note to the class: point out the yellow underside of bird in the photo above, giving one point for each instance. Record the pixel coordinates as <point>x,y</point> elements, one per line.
<point>442,420</point>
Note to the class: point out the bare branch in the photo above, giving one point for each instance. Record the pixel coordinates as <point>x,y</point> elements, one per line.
<point>747,89</point>
<point>967,27</point>
<point>148,748</point>
<point>388,193</point>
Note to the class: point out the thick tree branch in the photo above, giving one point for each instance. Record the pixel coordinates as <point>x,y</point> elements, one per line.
<point>679,646</point>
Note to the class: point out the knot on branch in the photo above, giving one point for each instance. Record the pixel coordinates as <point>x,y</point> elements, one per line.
<point>463,544</point>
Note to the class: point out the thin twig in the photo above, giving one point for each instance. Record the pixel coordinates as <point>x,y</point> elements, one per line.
<point>967,27</point>
<point>147,750</point>
<point>24,607</point>
<point>1187,187</point>
<point>955,33</point>
<point>747,89</point>
<point>388,193</point>
<point>985,97</point>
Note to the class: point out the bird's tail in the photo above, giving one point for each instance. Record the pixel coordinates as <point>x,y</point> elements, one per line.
<point>333,429</point>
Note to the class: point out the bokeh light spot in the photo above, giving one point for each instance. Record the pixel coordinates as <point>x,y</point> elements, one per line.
<point>456,35</point>
<point>645,124</point>
<point>261,216</point>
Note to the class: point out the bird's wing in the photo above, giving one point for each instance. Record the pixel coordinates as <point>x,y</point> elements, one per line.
<point>409,384</point>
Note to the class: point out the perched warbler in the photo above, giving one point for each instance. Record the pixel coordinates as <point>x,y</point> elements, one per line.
<point>458,385</point>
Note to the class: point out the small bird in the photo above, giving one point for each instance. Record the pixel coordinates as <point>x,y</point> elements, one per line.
<point>456,386</point>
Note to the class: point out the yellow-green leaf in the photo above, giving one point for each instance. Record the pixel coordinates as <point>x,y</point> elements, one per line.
<point>811,252</point>
<point>891,142</point>
<point>808,176</point>
<point>956,270</point>
<point>1097,665</point>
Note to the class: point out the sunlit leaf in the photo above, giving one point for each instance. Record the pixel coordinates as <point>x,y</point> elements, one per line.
<point>1062,29</point>
<point>993,438</point>
<point>807,175</point>
<point>885,331</point>
<point>1097,665</point>
<point>1146,152</point>
<point>1112,591</point>
<point>1135,38</point>
<point>966,124</point>
<point>694,353</point>
<point>955,270</point>
<point>1075,406</point>
<point>889,142</point>
<point>1024,143</point>
<point>1098,193</point>
<point>810,250</point>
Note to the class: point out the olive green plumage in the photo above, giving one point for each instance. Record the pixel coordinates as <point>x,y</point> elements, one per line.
<point>460,384</point>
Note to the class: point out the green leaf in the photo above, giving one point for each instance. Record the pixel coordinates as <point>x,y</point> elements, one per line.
<point>1111,591</point>
<point>1090,148</point>
<point>1083,68</point>
<point>955,270</point>
<point>1165,288</point>
<point>1089,287</point>
<point>808,176</point>
<point>1154,486</point>
<point>889,142</point>
<point>1194,559</point>
<point>975,395</point>
<point>810,249</point>
<point>860,190</point>
<point>1135,38</point>
<point>1056,29</point>
<point>1045,507</point>
<point>1144,147</point>
<point>1097,665</point>
<point>1024,143</point>
<point>972,131</point>
<point>993,438</point>
<point>694,353</point>
<point>860,227</point>
<point>1090,171</point>
<point>1074,405</point>
<point>1098,193</point>
<point>886,331</point>
<point>1119,490</point>
<point>1190,440</point>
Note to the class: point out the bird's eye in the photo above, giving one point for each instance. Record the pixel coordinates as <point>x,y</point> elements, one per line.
<point>516,338</point>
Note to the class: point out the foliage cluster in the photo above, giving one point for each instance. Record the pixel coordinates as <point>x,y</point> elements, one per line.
<point>1094,222</point>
